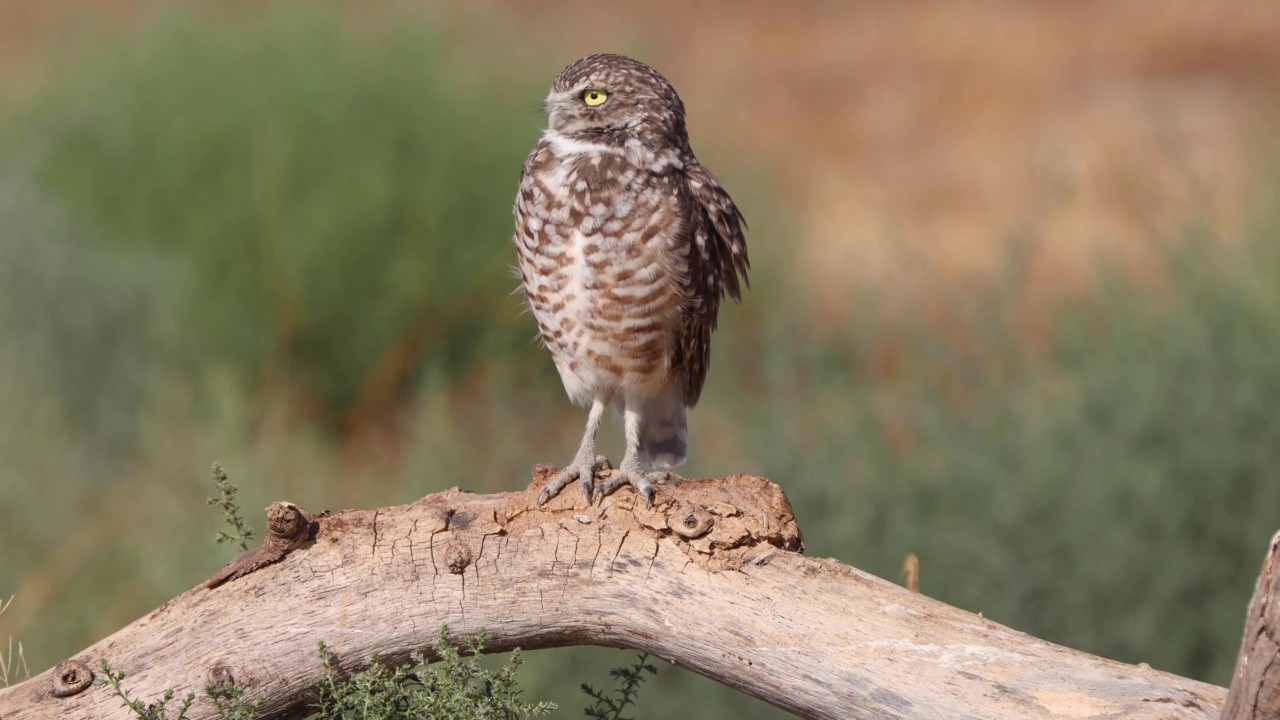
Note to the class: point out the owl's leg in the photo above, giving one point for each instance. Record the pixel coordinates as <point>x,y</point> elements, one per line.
<point>630,470</point>
<point>585,463</point>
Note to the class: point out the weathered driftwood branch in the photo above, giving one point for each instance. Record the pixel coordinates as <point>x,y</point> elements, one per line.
<point>1255,688</point>
<point>709,579</point>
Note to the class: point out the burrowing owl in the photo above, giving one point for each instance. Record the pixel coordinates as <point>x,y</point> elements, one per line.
<point>626,247</point>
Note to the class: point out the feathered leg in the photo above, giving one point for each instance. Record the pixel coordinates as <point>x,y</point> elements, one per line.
<point>585,464</point>
<point>630,470</point>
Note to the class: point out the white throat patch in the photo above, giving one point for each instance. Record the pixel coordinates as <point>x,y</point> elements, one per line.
<point>565,146</point>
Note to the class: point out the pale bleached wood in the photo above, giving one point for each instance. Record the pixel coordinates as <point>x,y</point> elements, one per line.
<point>1255,687</point>
<point>707,579</point>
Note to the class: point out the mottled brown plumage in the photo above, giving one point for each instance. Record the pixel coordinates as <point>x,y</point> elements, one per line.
<point>626,246</point>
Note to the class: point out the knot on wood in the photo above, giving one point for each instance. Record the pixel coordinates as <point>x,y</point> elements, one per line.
<point>458,557</point>
<point>690,521</point>
<point>71,677</point>
<point>288,527</point>
<point>220,675</point>
<point>286,522</point>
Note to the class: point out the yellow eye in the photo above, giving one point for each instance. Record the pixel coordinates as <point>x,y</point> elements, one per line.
<point>594,98</point>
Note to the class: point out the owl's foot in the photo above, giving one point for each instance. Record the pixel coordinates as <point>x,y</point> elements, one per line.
<point>581,470</point>
<point>642,481</point>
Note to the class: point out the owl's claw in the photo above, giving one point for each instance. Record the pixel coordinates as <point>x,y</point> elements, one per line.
<point>584,473</point>
<point>546,494</point>
<point>643,483</point>
<point>648,492</point>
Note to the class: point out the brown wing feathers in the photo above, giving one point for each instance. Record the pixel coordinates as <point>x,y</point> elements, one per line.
<point>718,266</point>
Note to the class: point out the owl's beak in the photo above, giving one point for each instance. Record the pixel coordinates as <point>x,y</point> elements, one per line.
<point>553,107</point>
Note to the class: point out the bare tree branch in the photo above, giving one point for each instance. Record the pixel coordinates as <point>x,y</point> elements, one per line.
<point>1255,687</point>
<point>710,579</point>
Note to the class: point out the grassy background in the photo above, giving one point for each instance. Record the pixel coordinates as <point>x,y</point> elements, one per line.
<point>282,244</point>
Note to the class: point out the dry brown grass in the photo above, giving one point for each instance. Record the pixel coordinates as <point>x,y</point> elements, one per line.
<point>912,139</point>
<point>918,136</point>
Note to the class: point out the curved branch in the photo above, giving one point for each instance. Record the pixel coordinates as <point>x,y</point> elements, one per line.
<point>709,579</point>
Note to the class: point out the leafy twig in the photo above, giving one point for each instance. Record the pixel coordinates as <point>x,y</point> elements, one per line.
<point>158,710</point>
<point>230,702</point>
<point>609,705</point>
<point>241,532</point>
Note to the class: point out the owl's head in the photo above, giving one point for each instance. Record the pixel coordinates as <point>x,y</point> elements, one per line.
<point>613,99</point>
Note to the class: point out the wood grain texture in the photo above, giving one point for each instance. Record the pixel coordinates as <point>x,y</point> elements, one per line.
<point>1255,686</point>
<point>709,579</point>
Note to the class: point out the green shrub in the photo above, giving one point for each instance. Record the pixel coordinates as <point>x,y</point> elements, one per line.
<point>330,210</point>
<point>1113,491</point>
<point>456,688</point>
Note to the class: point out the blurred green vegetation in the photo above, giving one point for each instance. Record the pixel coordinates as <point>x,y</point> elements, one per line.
<point>285,173</point>
<point>282,244</point>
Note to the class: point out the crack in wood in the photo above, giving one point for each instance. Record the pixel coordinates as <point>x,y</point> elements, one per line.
<point>569,570</point>
<point>618,550</point>
<point>413,531</point>
<point>652,559</point>
<point>594,558</point>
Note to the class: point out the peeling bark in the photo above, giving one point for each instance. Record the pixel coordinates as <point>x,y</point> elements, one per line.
<point>710,578</point>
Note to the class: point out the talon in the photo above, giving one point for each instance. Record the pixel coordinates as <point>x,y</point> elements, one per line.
<point>558,481</point>
<point>647,492</point>
<point>581,470</point>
